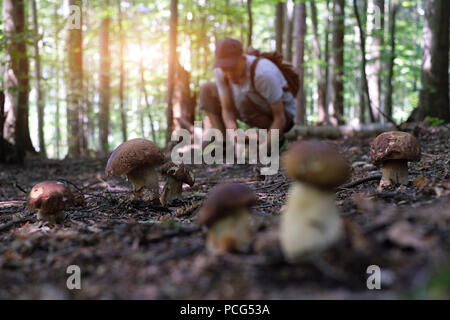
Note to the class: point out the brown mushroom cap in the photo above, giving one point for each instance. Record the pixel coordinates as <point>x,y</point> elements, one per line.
<point>50,197</point>
<point>223,200</point>
<point>316,163</point>
<point>132,154</point>
<point>179,172</point>
<point>394,145</point>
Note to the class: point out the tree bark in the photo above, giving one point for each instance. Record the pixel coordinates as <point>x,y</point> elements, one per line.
<point>250,23</point>
<point>105,94</point>
<point>375,44</point>
<point>279,24</point>
<point>336,103</point>
<point>290,15</point>
<point>363,56</point>
<point>434,95</point>
<point>172,65</point>
<point>75,86</point>
<point>56,74</point>
<point>322,113</point>
<point>123,115</point>
<point>16,83</point>
<point>389,89</point>
<point>37,75</point>
<point>300,50</point>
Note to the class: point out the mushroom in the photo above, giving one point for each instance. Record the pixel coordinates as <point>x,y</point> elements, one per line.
<point>311,222</point>
<point>392,150</point>
<point>176,176</point>
<point>137,159</point>
<point>51,198</point>
<point>226,214</point>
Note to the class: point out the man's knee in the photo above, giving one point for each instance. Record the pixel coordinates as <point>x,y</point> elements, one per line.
<point>209,98</point>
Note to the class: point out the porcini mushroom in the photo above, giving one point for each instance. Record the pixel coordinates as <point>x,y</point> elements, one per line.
<point>226,214</point>
<point>51,198</point>
<point>311,222</point>
<point>138,159</point>
<point>176,176</point>
<point>392,150</point>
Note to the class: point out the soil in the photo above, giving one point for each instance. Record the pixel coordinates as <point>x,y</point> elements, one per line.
<point>129,250</point>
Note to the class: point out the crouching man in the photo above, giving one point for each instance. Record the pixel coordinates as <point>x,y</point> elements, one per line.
<point>255,92</point>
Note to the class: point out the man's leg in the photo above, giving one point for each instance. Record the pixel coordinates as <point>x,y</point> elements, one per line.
<point>210,103</point>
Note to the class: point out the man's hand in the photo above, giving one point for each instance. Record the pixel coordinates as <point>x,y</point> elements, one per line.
<point>278,122</point>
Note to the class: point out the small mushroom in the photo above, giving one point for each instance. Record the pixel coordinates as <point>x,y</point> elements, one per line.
<point>311,222</point>
<point>176,176</point>
<point>392,150</point>
<point>226,214</point>
<point>51,198</point>
<point>138,159</point>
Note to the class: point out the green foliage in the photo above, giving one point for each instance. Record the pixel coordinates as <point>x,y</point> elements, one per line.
<point>435,121</point>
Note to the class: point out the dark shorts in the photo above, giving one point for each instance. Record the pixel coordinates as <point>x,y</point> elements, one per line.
<point>209,102</point>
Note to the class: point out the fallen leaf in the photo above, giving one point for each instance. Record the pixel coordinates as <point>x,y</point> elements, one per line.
<point>421,182</point>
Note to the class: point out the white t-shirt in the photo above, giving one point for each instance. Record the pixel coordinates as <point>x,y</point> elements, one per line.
<point>269,84</point>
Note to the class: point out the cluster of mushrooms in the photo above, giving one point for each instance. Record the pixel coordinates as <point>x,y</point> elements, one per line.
<point>310,222</point>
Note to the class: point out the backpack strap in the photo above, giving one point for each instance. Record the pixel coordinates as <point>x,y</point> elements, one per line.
<point>252,73</point>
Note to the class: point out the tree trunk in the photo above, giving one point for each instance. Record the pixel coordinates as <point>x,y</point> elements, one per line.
<point>172,65</point>
<point>363,56</point>
<point>105,94</point>
<point>375,41</point>
<point>56,74</point>
<point>37,75</point>
<point>433,97</point>
<point>16,83</point>
<point>123,115</point>
<point>300,51</point>
<point>290,10</point>
<point>389,89</point>
<point>327,79</point>
<point>250,23</point>
<point>336,103</point>
<point>279,15</point>
<point>322,111</point>
<point>183,101</point>
<point>360,94</point>
<point>75,86</point>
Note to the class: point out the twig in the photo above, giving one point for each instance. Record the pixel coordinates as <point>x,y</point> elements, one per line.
<point>20,188</point>
<point>359,181</point>
<point>12,203</point>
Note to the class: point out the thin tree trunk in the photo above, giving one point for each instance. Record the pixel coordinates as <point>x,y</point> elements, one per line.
<point>336,103</point>
<point>123,115</point>
<point>37,74</point>
<point>363,55</point>
<point>389,90</point>
<point>250,23</point>
<point>360,94</point>
<point>290,14</point>
<point>374,50</point>
<point>433,97</point>
<point>105,94</point>
<point>172,61</point>
<point>327,79</point>
<point>16,81</point>
<point>56,71</point>
<point>279,26</point>
<point>75,86</point>
<point>300,50</point>
<point>322,111</point>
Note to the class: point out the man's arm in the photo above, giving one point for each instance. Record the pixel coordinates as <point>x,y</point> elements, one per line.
<point>278,122</point>
<point>228,115</point>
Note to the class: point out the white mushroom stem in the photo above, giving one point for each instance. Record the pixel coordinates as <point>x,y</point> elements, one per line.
<point>230,234</point>
<point>145,182</point>
<point>51,218</point>
<point>172,190</point>
<point>395,171</point>
<point>310,223</point>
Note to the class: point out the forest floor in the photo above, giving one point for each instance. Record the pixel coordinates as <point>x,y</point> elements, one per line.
<point>127,250</point>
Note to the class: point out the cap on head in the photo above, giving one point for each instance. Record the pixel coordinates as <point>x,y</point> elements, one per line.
<point>223,200</point>
<point>179,172</point>
<point>228,51</point>
<point>132,154</point>
<point>394,145</point>
<point>50,196</point>
<point>316,163</point>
